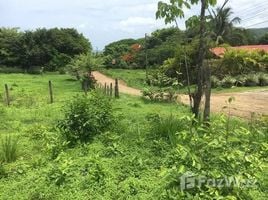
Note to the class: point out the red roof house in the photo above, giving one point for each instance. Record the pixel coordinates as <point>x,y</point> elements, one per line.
<point>219,51</point>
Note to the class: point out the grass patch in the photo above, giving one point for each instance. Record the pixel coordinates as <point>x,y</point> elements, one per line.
<point>131,160</point>
<point>133,78</point>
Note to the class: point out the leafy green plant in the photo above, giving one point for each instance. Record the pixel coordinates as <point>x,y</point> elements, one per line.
<point>60,171</point>
<point>9,150</point>
<point>228,82</point>
<point>86,116</point>
<point>213,153</point>
<point>240,80</point>
<point>170,94</point>
<point>251,80</point>
<point>215,82</point>
<point>237,62</point>
<point>148,93</point>
<point>160,95</point>
<point>55,145</point>
<point>263,79</point>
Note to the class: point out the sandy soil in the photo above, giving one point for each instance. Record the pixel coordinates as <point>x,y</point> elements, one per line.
<point>245,103</point>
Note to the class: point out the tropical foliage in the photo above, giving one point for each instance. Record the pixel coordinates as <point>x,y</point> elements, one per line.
<point>50,49</point>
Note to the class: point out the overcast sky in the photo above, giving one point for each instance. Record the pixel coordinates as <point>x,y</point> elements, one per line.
<point>104,21</point>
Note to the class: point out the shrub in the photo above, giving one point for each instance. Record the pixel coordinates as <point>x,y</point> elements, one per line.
<point>170,94</point>
<point>240,81</point>
<point>228,82</point>
<point>251,80</point>
<point>237,62</point>
<point>148,93</point>
<point>160,79</point>
<point>9,70</point>
<point>215,82</point>
<point>263,79</point>
<point>85,117</point>
<point>213,154</point>
<point>162,95</point>
<point>62,70</point>
<point>9,149</point>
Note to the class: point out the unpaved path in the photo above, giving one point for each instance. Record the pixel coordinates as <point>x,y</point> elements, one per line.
<point>245,103</point>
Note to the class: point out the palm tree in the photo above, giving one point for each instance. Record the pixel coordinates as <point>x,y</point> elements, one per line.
<point>221,22</point>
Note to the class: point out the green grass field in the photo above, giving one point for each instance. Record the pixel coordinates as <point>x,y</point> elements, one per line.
<point>126,162</point>
<point>133,78</point>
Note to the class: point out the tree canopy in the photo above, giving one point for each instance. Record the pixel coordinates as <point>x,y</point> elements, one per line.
<point>48,48</point>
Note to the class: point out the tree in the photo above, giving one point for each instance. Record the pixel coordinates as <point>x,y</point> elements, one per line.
<point>170,11</point>
<point>264,39</point>
<point>48,48</point>
<point>160,46</point>
<point>220,22</point>
<point>81,67</point>
<point>8,41</point>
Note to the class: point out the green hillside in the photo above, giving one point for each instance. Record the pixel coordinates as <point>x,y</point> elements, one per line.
<point>258,32</point>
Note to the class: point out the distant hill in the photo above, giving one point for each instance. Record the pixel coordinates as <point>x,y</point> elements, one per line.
<point>258,32</point>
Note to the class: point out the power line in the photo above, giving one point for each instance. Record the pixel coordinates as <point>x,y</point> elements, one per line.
<point>257,24</point>
<point>252,17</point>
<point>254,12</point>
<point>252,8</point>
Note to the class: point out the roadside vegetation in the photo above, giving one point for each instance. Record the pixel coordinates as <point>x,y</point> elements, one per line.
<point>85,144</point>
<point>138,150</point>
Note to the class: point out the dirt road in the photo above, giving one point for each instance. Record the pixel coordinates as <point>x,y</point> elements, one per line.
<point>245,103</point>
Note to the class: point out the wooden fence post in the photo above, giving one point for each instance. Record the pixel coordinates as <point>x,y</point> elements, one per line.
<point>7,95</point>
<point>116,89</point>
<point>105,88</point>
<point>111,89</point>
<point>50,91</point>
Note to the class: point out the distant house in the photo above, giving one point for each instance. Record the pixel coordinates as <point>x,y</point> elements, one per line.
<point>219,51</point>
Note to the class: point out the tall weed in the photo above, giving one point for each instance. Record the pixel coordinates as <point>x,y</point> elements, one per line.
<point>9,149</point>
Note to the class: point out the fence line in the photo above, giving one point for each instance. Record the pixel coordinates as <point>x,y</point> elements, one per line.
<point>108,90</point>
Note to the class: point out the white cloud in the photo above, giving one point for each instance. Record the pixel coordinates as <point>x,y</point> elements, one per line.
<point>138,24</point>
<point>137,21</point>
<point>104,21</point>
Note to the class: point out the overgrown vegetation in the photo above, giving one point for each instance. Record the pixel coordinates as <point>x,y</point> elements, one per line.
<point>142,156</point>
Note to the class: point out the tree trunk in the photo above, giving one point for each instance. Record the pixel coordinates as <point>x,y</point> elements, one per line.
<point>207,94</point>
<point>201,54</point>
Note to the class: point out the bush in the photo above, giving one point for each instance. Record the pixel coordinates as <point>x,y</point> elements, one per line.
<point>62,70</point>
<point>212,154</point>
<point>85,117</point>
<point>240,81</point>
<point>160,95</point>
<point>9,149</point>
<point>215,82</point>
<point>9,70</point>
<point>251,80</point>
<point>228,82</point>
<point>263,79</point>
<point>148,93</point>
<point>237,62</point>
